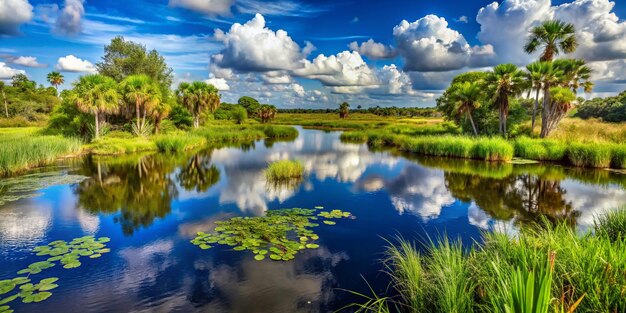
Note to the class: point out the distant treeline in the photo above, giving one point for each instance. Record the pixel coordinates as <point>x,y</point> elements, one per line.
<point>609,109</point>
<point>382,111</point>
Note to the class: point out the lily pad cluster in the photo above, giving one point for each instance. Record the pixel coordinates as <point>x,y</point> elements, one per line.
<point>279,235</point>
<point>65,253</point>
<point>26,186</point>
<point>334,214</point>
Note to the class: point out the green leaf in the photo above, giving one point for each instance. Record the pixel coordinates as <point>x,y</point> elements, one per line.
<point>9,299</point>
<point>6,286</point>
<point>5,309</point>
<point>36,297</point>
<point>312,246</point>
<point>259,257</point>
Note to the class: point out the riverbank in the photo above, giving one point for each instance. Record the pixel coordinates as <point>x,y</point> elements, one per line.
<point>543,265</point>
<point>25,148</point>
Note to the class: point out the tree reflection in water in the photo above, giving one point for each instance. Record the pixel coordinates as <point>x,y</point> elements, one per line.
<point>140,189</point>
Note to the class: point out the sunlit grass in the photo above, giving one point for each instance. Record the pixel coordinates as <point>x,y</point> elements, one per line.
<point>284,170</point>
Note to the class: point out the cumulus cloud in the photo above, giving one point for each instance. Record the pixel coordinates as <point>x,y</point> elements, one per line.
<point>71,63</point>
<point>27,61</point>
<point>219,83</point>
<point>7,72</point>
<point>69,21</point>
<point>208,7</point>
<point>14,13</point>
<point>394,81</point>
<point>343,69</point>
<point>373,50</point>
<point>252,47</point>
<point>428,44</point>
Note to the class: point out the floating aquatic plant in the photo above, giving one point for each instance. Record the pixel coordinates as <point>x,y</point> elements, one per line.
<point>25,186</point>
<point>66,253</point>
<point>279,235</point>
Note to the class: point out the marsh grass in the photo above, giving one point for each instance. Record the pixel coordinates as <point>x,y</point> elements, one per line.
<point>589,154</point>
<point>115,145</point>
<point>284,170</point>
<point>24,148</point>
<point>540,149</point>
<point>543,266</point>
<point>178,142</point>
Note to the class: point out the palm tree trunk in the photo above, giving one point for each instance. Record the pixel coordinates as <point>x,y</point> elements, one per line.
<point>138,113</point>
<point>532,127</point>
<point>6,108</point>
<point>546,111</point>
<point>97,125</point>
<point>469,115</point>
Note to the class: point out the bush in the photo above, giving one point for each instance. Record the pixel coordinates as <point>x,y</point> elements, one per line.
<point>114,146</point>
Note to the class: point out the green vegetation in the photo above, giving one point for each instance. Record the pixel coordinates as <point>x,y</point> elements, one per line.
<point>280,234</point>
<point>67,254</point>
<point>609,109</point>
<point>178,142</point>
<point>284,170</point>
<point>544,268</point>
<point>21,149</point>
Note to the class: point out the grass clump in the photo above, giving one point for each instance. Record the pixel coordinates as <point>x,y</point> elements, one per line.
<point>540,149</point>
<point>280,132</point>
<point>115,146</point>
<point>618,159</point>
<point>178,142</point>
<point>589,154</point>
<point>353,137</point>
<point>543,268</point>
<point>21,149</point>
<point>493,149</point>
<point>284,170</point>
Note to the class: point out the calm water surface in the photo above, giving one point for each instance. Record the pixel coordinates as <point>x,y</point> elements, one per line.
<point>152,205</point>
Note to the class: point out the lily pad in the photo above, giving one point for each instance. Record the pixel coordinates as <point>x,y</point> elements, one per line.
<point>6,286</point>
<point>259,257</point>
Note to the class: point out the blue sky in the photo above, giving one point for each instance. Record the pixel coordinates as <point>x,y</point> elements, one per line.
<point>303,53</point>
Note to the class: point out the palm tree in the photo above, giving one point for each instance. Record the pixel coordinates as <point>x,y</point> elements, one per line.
<point>4,98</point>
<point>554,36</point>
<point>198,97</point>
<point>534,81</point>
<point>55,79</point>
<point>550,76</point>
<point>144,94</point>
<point>505,81</point>
<point>96,94</point>
<point>562,100</point>
<point>466,97</point>
<point>267,112</point>
<point>576,74</point>
<point>344,110</point>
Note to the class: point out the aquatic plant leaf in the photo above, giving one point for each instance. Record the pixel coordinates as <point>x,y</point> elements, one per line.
<point>8,299</point>
<point>5,309</point>
<point>20,280</point>
<point>37,297</point>
<point>6,286</point>
<point>259,257</point>
<point>330,222</point>
<point>312,246</point>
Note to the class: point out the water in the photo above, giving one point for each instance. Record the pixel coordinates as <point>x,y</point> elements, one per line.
<point>151,206</point>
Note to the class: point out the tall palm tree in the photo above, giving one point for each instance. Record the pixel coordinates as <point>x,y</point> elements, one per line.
<point>576,74</point>
<point>534,80</point>
<point>96,94</point>
<point>55,79</point>
<point>467,97</point>
<point>550,76</point>
<point>554,37</point>
<point>344,110</point>
<point>144,94</point>
<point>267,112</point>
<point>198,97</point>
<point>505,81</point>
<point>562,100</point>
<point>4,98</point>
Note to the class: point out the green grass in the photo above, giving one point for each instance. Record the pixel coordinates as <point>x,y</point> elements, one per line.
<point>178,142</point>
<point>619,156</point>
<point>114,145</point>
<point>280,132</point>
<point>544,263</point>
<point>540,149</point>
<point>24,148</point>
<point>589,154</point>
<point>284,170</point>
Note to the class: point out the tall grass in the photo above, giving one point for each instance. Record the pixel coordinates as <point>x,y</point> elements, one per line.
<point>25,148</point>
<point>284,170</point>
<point>589,154</point>
<point>115,145</point>
<point>540,149</point>
<point>545,267</point>
<point>178,142</point>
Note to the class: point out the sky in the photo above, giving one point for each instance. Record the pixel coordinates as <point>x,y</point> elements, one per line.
<point>310,54</point>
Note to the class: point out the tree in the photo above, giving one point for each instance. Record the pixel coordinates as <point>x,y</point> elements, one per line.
<point>576,74</point>
<point>124,58</point>
<point>467,97</point>
<point>267,113</point>
<point>534,80</point>
<point>561,102</point>
<point>505,81</point>
<point>96,94</point>
<point>198,97</point>
<point>144,94</point>
<point>250,104</point>
<point>21,82</point>
<point>4,98</point>
<point>550,76</point>
<point>554,36</point>
<point>344,110</point>
<point>55,79</point>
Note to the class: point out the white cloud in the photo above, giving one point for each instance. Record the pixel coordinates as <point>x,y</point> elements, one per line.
<point>7,72</point>
<point>343,69</point>
<point>219,83</point>
<point>276,77</point>
<point>373,50</point>
<point>71,63</point>
<point>394,81</point>
<point>279,8</point>
<point>256,48</point>
<point>463,19</point>
<point>428,44</point>
<point>14,13</point>
<point>208,7</point>
<point>28,61</point>
<point>69,21</point>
